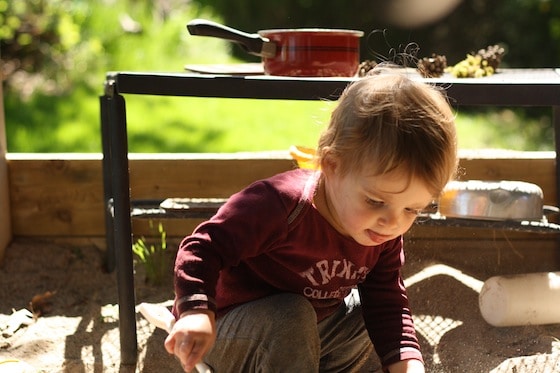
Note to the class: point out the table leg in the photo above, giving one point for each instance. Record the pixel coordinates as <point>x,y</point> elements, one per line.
<point>104,104</point>
<point>556,124</point>
<point>114,127</point>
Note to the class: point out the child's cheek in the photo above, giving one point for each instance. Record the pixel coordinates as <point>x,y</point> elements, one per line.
<point>362,218</point>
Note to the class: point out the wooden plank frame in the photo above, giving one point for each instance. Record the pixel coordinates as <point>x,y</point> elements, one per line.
<point>61,195</point>
<point>5,215</point>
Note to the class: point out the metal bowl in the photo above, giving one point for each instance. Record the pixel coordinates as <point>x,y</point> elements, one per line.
<point>492,200</point>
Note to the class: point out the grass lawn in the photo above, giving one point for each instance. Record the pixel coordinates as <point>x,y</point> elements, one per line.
<point>179,124</point>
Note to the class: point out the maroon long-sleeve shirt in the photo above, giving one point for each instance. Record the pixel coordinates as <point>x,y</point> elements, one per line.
<point>270,239</point>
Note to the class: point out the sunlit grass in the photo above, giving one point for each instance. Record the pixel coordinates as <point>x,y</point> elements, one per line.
<point>223,125</point>
<point>180,124</point>
<point>504,128</point>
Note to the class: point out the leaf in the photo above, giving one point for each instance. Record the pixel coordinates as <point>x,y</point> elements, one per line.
<point>41,303</point>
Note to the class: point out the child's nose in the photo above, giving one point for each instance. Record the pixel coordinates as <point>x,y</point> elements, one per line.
<point>388,219</point>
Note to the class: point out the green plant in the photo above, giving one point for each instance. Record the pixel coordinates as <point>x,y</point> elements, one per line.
<point>45,46</point>
<point>152,256</point>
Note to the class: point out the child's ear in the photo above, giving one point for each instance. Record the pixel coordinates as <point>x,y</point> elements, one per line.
<point>330,164</point>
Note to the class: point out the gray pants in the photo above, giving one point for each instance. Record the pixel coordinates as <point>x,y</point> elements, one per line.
<point>280,334</point>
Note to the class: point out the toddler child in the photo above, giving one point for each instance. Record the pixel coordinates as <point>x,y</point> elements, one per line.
<point>301,272</point>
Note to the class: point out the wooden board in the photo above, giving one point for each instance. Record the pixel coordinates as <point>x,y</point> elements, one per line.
<point>54,195</point>
<point>5,220</point>
<point>62,194</point>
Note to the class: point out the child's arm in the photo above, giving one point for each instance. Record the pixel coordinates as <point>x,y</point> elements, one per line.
<point>387,312</point>
<point>192,337</point>
<point>407,366</point>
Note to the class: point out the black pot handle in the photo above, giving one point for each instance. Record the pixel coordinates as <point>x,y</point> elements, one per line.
<point>252,43</point>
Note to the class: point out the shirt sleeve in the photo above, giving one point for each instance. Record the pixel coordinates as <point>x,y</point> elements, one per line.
<point>386,308</point>
<point>249,223</point>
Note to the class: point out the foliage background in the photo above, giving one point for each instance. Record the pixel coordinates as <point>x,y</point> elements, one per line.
<point>55,54</point>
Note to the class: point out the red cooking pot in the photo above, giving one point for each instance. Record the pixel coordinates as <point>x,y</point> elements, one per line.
<point>293,52</point>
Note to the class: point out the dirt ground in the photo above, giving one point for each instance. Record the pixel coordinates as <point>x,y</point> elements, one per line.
<point>78,331</point>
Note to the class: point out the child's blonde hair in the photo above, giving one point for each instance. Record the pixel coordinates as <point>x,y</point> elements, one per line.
<point>387,120</point>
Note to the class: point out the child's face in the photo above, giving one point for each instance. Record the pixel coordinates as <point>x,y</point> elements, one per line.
<point>373,209</point>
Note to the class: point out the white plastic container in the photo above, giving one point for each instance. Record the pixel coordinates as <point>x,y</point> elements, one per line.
<point>525,299</point>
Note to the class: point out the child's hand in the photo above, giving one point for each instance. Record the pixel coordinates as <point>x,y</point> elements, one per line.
<point>192,337</point>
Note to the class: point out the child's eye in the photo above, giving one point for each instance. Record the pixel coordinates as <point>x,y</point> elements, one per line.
<point>375,203</point>
<point>413,211</point>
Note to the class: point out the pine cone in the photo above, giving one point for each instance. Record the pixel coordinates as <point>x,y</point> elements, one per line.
<point>432,67</point>
<point>492,55</point>
<point>365,67</point>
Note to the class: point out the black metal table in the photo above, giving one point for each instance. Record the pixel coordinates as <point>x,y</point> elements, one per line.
<point>513,87</point>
